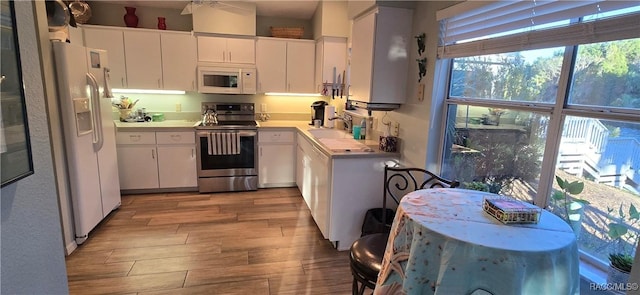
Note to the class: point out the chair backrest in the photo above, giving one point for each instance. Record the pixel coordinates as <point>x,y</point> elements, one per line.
<point>401,181</point>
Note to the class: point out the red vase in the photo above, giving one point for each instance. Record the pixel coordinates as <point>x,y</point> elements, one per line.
<point>162,25</point>
<point>130,18</point>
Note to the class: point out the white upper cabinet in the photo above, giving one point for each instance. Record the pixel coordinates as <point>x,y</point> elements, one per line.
<point>271,60</point>
<point>300,66</point>
<point>379,55</point>
<point>113,42</point>
<point>179,54</point>
<point>144,59</point>
<point>226,50</point>
<point>285,65</point>
<point>331,52</point>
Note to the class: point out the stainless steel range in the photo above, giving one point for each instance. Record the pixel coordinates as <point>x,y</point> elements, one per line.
<point>227,148</point>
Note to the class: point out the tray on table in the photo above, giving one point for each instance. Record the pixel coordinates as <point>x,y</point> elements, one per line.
<point>508,210</point>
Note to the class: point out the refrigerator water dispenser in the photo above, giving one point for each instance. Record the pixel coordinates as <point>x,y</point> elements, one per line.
<point>83,116</point>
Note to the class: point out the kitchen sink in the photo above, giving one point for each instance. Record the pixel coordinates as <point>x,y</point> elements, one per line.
<point>329,133</point>
<point>344,145</point>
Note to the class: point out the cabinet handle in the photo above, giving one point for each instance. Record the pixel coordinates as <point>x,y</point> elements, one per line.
<point>229,55</point>
<point>153,154</point>
<point>289,88</point>
<point>122,81</point>
<point>176,137</point>
<point>192,153</point>
<point>134,137</point>
<point>193,85</point>
<point>260,151</point>
<point>223,56</point>
<point>159,84</point>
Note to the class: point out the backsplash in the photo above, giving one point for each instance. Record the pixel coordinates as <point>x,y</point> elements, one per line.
<point>187,106</point>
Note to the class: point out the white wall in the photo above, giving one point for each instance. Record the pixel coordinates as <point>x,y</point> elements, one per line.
<point>32,253</point>
<point>264,24</point>
<point>107,14</point>
<point>331,19</point>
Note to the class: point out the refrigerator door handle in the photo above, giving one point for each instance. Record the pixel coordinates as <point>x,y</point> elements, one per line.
<point>107,83</point>
<point>96,114</point>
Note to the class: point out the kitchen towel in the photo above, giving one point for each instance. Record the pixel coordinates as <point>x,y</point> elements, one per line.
<point>329,112</point>
<point>224,143</point>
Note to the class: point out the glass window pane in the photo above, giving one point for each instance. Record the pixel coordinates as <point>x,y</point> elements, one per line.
<point>605,156</point>
<point>497,150</point>
<point>522,76</point>
<point>607,74</point>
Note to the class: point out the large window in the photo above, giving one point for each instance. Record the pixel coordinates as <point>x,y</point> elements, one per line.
<point>567,107</point>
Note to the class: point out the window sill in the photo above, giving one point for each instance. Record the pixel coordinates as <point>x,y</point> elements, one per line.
<point>592,273</point>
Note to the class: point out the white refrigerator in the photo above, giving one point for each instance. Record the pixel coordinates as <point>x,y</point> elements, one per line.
<point>89,134</point>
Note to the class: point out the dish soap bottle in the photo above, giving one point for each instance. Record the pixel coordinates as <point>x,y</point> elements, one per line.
<point>363,129</point>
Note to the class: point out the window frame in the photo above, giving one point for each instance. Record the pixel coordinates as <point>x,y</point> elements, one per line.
<point>557,111</point>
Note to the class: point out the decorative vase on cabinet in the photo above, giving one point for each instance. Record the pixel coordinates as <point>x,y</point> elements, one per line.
<point>162,25</point>
<point>130,18</point>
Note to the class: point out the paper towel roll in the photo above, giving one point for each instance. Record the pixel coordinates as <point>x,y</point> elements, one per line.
<point>329,112</point>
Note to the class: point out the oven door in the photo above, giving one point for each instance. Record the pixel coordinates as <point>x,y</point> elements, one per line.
<point>220,153</point>
<point>212,80</point>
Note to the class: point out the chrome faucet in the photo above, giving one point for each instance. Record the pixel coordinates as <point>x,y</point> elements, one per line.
<point>347,119</point>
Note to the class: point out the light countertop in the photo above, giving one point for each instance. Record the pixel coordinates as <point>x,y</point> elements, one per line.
<point>166,125</point>
<point>301,126</point>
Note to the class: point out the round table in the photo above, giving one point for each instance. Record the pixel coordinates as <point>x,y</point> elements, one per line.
<point>442,242</point>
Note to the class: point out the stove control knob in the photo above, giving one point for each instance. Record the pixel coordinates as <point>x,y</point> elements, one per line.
<point>251,108</point>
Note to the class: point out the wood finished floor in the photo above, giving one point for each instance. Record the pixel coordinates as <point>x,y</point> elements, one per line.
<point>261,242</point>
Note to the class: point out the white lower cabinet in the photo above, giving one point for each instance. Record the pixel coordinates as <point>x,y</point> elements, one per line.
<point>137,167</point>
<point>339,190</point>
<point>315,183</point>
<point>177,166</point>
<point>276,158</point>
<point>152,160</point>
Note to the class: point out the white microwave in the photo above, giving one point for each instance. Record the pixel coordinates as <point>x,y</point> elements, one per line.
<point>227,80</point>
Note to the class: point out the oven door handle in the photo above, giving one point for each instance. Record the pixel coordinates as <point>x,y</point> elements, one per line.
<point>241,133</point>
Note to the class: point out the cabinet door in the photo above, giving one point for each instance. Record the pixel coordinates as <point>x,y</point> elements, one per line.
<point>212,49</point>
<point>330,53</point>
<point>179,55</point>
<point>112,41</point>
<point>271,60</point>
<point>277,164</point>
<point>177,166</point>
<point>137,167</point>
<point>241,51</point>
<point>299,168</point>
<point>144,60</point>
<point>300,66</point>
<point>320,197</point>
<point>362,57</point>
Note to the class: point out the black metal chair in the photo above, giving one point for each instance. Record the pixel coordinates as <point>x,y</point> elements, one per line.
<point>366,252</point>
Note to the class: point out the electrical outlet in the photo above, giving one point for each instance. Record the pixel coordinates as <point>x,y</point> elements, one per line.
<point>178,107</point>
<point>420,94</point>
<point>395,131</point>
<point>263,108</point>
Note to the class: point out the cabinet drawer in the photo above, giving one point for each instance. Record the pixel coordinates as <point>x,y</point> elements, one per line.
<point>136,138</point>
<point>176,137</point>
<point>275,136</point>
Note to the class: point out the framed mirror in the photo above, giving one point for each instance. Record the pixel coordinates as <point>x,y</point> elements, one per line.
<point>15,148</point>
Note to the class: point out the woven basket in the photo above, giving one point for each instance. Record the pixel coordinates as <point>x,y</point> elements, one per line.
<point>292,33</point>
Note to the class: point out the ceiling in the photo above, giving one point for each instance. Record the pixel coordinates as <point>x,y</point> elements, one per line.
<point>301,9</point>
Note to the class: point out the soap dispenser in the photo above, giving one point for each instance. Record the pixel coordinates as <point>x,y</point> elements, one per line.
<point>363,128</point>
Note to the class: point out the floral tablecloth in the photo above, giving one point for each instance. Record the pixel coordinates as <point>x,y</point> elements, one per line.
<point>442,242</point>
